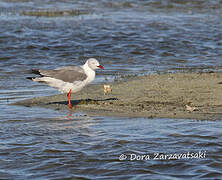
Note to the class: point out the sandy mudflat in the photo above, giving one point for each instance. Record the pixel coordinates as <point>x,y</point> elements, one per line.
<point>161,96</point>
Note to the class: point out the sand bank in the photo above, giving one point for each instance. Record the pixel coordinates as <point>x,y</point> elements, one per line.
<point>152,96</point>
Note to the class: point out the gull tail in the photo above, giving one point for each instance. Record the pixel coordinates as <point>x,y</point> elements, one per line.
<point>34,71</point>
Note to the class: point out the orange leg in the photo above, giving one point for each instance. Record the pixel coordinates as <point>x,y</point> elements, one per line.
<point>69,95</point>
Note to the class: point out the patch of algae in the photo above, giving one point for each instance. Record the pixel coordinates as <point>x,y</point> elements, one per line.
<point>54,13</point>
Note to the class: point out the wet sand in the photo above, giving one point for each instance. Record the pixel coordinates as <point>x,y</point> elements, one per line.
<point>152,96</point>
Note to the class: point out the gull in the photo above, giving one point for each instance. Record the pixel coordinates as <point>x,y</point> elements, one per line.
<point>68,79</point>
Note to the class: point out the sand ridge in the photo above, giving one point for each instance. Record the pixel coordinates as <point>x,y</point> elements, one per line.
<point>152,96</point>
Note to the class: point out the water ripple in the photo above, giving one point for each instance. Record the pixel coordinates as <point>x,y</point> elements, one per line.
<point>133,37</point>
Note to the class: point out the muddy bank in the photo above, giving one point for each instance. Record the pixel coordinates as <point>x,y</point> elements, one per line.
<point>161,96</point>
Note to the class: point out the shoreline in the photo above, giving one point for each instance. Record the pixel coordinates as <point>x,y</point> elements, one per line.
<point>151,96</point>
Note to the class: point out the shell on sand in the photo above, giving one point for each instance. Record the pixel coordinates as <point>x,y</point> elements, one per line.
<point>191,109</point>
<point>107,89</point>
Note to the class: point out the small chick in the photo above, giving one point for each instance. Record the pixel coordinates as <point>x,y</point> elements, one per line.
<point>107,89</point>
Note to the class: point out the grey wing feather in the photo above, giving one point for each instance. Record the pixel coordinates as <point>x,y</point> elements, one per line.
<point>74,68</point>
<point>66,74</point>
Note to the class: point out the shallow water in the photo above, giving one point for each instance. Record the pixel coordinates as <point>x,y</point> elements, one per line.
<point>127,37</point>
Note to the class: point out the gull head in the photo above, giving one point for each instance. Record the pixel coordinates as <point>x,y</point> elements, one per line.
<point>94,64</point>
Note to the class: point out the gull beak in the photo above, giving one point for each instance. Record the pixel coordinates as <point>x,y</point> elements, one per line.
<point>101,67</point>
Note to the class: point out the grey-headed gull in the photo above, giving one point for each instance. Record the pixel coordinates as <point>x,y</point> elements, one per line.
<point>69,79</point>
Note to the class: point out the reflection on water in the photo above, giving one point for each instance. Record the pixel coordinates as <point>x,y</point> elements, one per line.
<point>90,147</point>
<point>128,37</point>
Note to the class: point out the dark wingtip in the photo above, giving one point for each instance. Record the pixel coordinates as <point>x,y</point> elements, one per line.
<point>35,71</point>
<point>30,78</point>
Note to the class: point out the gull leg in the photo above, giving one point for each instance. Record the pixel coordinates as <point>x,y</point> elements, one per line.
<point>69,95</point>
